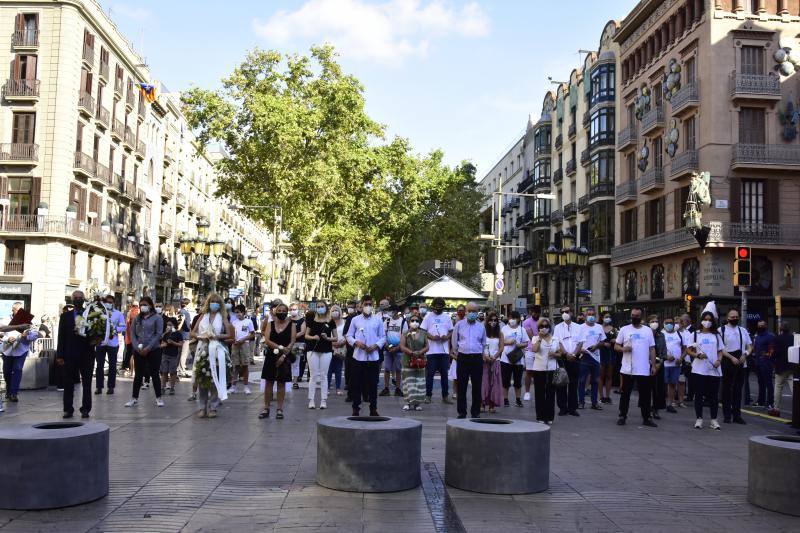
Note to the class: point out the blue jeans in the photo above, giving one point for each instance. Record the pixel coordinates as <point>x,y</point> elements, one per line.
<point>765,374</point>
<point>440,362</point>
<point>588,367</point>
<point>101,352</point>
<point>335,369</point>
<point>12,372</point>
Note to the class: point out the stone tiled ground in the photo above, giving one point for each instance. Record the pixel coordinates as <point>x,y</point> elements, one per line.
<point>173,472</point>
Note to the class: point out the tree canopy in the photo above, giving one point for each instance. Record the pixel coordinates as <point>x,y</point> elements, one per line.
<point>360,212</point>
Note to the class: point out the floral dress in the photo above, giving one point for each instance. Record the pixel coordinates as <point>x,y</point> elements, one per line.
<point>414,378</point>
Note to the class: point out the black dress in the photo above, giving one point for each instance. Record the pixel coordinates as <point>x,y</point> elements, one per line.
<point>271,372</point>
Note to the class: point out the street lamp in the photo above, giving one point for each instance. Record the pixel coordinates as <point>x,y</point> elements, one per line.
<point>568,262</point>
<point>202,253</point>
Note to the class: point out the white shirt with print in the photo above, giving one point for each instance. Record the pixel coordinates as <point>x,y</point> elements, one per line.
<point>637,361</point>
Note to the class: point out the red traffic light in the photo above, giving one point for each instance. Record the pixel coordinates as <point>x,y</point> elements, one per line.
<point>742,252</point>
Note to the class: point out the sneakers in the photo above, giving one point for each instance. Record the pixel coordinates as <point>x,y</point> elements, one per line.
<point>527,397</point>
<point>418,407</point>
<point>311,404</point>
<point>133,402</point>
<point>2,406</point>
<point>671,409</point>
<point>384,392</point>
<point>596,407</point>
<point>323,404</point>
<point>146,385</point>
<point>715,425</point>
<point>247,390</point>
<point>232,390</point>
<point>159,402</point>
<point>192,398</point>
<point>698,424</point>
<point>649,423</point>
<point>406,407</point>
<point>519,402</point>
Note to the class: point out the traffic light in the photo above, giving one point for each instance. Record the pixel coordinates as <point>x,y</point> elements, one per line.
<point>742,268</point>
<point>687,300</point>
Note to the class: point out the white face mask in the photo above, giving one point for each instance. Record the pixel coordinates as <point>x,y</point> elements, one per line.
<point>367,310</point>
<point>413,325</point>
<point>108,306</point>
<point>158,310</point>
<point>565,316</point>
<point>351,310</point>
<point>228,306</point>
<point>294,312</point>
<point>336,314</point>
<point>144,308</point>
<point>512,322</point>
<point>654,326</point>
<point>706,324</point>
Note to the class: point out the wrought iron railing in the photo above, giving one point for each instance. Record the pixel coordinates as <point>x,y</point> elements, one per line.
<point>25,37</point>
<point>572,167</point>
<point>102,173</point>
<point>88,54</point>
<point>559,141</point>
<point>66,226</point>
<point>687,96</point>
<point>118,130</point>
<point>102,115</point>
<point>84,162</point>
<point>653,177</point>
<point>86,101</point>
<point>570,210</point>
<point>626,191</point>
<point>572,130</point>
<point>755,84</point>
<point>103,70</point>
<point>14,267</point>
<point>21,88</point>
<point>765,154</point>
<point>627,137</point>
<point>542,182</point>
<point>558,176</point>
<point>602,188</point>
<point>686,161</point>
<point>583,203</point>
<point>653,119</point>
<point>557,216</point>
<point>19,152</point>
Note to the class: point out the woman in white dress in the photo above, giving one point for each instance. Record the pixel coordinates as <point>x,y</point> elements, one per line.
<point>211,330</point>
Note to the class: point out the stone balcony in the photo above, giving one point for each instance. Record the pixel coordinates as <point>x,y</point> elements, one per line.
<point>755,87</point>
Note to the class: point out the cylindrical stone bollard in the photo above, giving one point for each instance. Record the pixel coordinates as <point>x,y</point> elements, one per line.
<point>369,453</point>
<point>773,473</point>
<point>53,465</point>
<point>496,456</point>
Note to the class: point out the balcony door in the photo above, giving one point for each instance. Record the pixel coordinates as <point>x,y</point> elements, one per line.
<point>752,60</point>
<point>23,128</point>
<point>752,129</point>
<point>25,70</point>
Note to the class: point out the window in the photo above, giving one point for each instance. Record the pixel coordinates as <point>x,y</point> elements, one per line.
<point>25,68</point>
<point>654,217</point>
<point>124,166</point>
<point>657,282</point>
<point>689,71</point>
<point>628,224</point>
<point>96,149</point>
<point>681,196</point>
<point>752,201</point>
<point>658,95</point>
<point>86,81</point>
<point>541,140</point>
<point>88,39</point>
<point>23,129</point>
<point>601,129</point>
<point>752,60</point>
<point>601,228</point>
<point>100,88</point>
<point>573,117</point>
<point>602,84</point>
<point>541,169</point>
<point>77,197</point>
<point>103,56</point>
<point>19,196</point>
<point>601,173</point>
<point>689,134</point>
<point>751,125</point>
<point>15,258</point>
<point>572,191</point>
<point>111,151</point>
<point>630,163</point>
<point>26,29</point>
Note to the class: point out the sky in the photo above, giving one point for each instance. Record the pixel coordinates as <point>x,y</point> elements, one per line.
<point>457,75</point>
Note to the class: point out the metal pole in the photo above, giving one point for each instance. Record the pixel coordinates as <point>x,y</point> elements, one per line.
<point>744,291</point>
<point>499,235</point>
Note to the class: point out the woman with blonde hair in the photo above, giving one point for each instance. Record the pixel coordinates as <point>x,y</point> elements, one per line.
<point>320,334</point>
<point>211,330</point>
<point>339,349</point>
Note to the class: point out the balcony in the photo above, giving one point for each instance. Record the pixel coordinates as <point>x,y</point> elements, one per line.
<point>117,183</point>
<point>601,189</point>
<point>102,175</point>
<point>525,184</point>
<point>73,229</point>
<point>652,180</point>
<point>570,210</point>
<point>103,70</point>
<point>541,222</point>
<point>140,150</point>
<point>627,138</point>
<point>602,139</point>
<point>84,165</point>
<point>653,120</point>
<point>130,138</point>
<point>572,167</point>
<point>556,217</point>
<point>685,100</point>
<point>625,192</point>
<point>86,104</point>
<point>583,204</point>
<point>732,234</point>
<point>88,56</point>
<point>543,182</point>
<point>25,38</point>
<point>585,157</point>
<point>164,230</point>
<point>181,168</point>
<point>180,201</point>
<point>558,176</point>
<point>542,152</point>
<point>559,141</point>
<point>118,130</point>
<point>571,131</point>
<point>14,267</point>
<point>660,244</point>
<point>102,116</point>
<point>753,87</point>
<point>766,156</point>
<point>167,191</point>
<point>140,196</point>
<point>130,99</point>
<point>19,153</point>
<point>684,163</point>
<point>21,89</point>
<point>514,202</point>
<point>128,189</point>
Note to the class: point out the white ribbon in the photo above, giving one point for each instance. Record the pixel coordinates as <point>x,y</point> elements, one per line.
<point>216,359</point>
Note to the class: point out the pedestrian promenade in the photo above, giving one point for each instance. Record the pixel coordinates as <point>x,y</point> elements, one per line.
<point>173,472</point>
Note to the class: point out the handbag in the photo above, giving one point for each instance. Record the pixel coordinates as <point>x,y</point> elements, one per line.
<point>560,377</point>
<point>515,355</point>
<point>417,362</point>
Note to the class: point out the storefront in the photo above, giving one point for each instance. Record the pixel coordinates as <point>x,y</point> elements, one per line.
<point>11,293</point>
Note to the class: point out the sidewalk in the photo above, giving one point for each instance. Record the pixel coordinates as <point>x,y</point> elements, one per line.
<point>173,472</point>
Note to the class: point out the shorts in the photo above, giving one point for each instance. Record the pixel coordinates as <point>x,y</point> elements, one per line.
<point>393,361</point>
<point>169,364</point>
<point>606,357</point>
<point>529,358</point>
<point>507,371</point>
<point>672,374</point>
<point>241,354</point>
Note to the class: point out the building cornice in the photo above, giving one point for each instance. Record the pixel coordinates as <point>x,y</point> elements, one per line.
<point>639,20</point>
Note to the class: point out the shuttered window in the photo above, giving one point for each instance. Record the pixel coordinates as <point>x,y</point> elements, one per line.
<point>654,217</point>
<point>752,202</point>
<point>752,60</point>
<point>628,225</point>
<point>689,138</point>
<point>752,129</point>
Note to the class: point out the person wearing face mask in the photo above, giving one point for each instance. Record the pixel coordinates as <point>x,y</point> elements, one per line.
<point>637,345</point>
<point>242,348</point>
<point>185,326</point>
<point>320,335</point>
<point>532,329</point>
<point>492,388</point>
<point>414,346</point>
<point>367,336</point>
<point>108,349</point>
<point>591,336</point>
<point>279,335</point>
<point>339,350</point>
<point>706,350</point>
<point>658,387</point>
<point>146,333</point>
<point>468,340</point>
<point>423,310</point>
<point>783,370</point>
<point>452,373</point>
<point>607,359</point>
<point>299,365</point>
<point>212,329</point>
<point>672,364</point>
<point>764,349</point>
<point>127,357</point>
<point>546,353</point>
<point>76,356</point>
<point>395,325</point>
<point>352,312</point>
<point>736,345</point>
<point>438,328</point>
<point>171,345</point>
<point>514,338</point>
<point>686,331</point>
<point>566,333</point>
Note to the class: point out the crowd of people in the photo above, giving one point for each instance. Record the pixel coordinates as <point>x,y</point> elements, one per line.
<point>670,361</point>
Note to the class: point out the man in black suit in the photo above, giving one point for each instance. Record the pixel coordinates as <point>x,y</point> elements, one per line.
<point>76,355</point>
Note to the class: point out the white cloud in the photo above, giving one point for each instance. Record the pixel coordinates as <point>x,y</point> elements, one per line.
<point>386,32</point>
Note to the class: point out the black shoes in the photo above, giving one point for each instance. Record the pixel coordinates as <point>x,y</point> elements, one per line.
<point>384,392</point>
<point>356,412</point>
<point>505,403</point>
<point>656,415</point>
<point>596,407</point>
<point>562,412</point>
<point>84,415</point>
<point>726,420</point>
<point>67,414</point>
<point>110,391</point>
<point>671,409</point>
<point>98,391</point>
<point>398,392</point>
<point>649,423</point>
<point>519,402</point>
<point>574,413</point>
<point>373,412</point>
<point>739,420</point>
<point>621,421</point>
<point>462,416</point>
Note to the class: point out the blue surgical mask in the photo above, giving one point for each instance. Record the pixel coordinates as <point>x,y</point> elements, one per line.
<point>669,327</point>
<point>472,316</point>
<point>229,306</point>
<point>321,310</point>
<point>213,306</point>
<point>590,320</point>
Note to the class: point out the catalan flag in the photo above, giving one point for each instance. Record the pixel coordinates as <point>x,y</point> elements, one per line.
<point>148,92</point>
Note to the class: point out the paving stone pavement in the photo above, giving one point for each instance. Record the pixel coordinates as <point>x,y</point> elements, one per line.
<point>173,472</point>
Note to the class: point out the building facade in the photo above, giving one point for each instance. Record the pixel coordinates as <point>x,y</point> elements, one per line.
<point>98,184</point>
<point>708,87</point>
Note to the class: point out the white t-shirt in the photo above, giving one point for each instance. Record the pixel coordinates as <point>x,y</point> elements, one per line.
<point>709,344</point>
<point>567,335</point>
<point>518,335</point>
<point>731,339</point>
<point>591,335</point>
<point>637,361</point>
<point>395,327</point>
<point>673,341</point>
<point>541,358</point>
<point>688,339</point>
<point>242,328</point>
<point>492,346</point>
<point>437,325</point>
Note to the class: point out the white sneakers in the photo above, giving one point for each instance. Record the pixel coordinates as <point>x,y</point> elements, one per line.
<point>406,407</point>
<point>715,424</point>
<point>527,397</point>
<point>323,404</point>
<point>311,404</point>
<point>159,402</point>
<point>247,390</point>
<point>133,402</point>
<point>698,424</point>
<point>232,390</point>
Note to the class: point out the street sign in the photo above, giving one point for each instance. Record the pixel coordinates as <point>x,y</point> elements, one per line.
<point>584,292</point>
<point>499,285</point>
<point>499,268</point>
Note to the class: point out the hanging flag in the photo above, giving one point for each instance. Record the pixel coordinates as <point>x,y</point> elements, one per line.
<point>148,92</point>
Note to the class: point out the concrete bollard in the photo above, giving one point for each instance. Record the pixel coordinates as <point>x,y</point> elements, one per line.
<point>53,465</point>
<point>773,473</point>
<point>352,453</point>
<point>496,456</point>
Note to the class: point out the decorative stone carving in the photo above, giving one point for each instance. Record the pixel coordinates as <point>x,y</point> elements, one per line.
<point>671,138</point>
<point>672,79</point>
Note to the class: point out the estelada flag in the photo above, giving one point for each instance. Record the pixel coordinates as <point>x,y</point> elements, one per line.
<point>148,92</point>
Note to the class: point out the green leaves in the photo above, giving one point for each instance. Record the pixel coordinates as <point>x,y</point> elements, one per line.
<point>359,212</point>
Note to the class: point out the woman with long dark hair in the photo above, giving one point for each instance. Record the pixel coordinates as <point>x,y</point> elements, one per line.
<point>279,339</point>
<point>146,333</point>
<point>706,352</point>
<point>545,362</point>
<point>492,388</point>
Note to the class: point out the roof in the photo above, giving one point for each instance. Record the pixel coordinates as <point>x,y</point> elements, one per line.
<point>448,288</point>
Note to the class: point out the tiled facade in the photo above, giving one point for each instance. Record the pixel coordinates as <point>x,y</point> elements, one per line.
<point>95,183</point>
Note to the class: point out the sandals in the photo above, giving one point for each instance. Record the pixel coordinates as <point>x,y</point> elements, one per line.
<point>279,414</point>
<point>264,414</point>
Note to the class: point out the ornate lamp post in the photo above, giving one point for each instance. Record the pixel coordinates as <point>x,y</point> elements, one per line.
<point>202,253</point>
<point>567,263</point>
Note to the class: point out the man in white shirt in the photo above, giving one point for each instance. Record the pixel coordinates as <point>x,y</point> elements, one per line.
<point>367,336</point>
<point>241,350</point>
<point>566,333</point>
<point>439,327</point>
<point>395,326</point>
<point>591,334</point>
<point>737,344</point>
<point>638,348</point>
